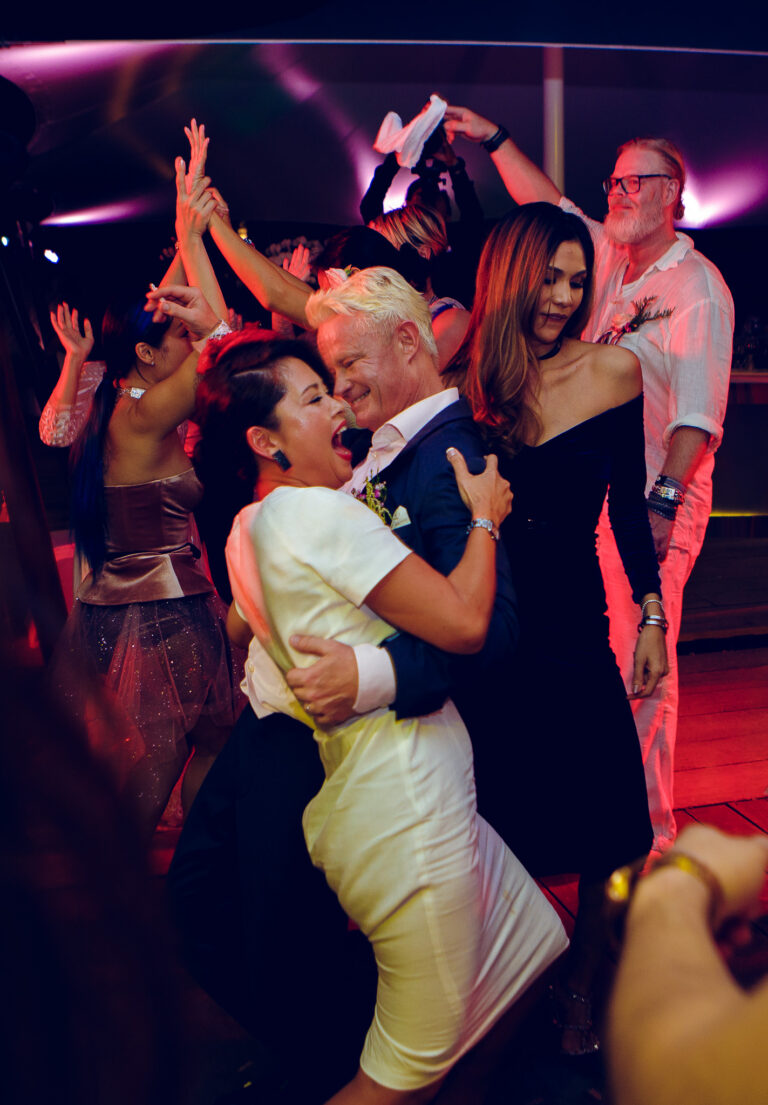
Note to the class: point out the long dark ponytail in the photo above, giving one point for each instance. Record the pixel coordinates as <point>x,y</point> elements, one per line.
<point>121,329</point>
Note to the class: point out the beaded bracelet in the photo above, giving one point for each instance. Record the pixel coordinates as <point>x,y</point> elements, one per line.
<point>648,603</point>
<point>492,144</point>
<point>659,505</point>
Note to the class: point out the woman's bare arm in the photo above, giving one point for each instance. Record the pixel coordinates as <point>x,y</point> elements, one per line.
<point>452,612</point>
<point>238,630</point>
<point>168,403</point>
<point>275,289</point>
<point>193,212</point>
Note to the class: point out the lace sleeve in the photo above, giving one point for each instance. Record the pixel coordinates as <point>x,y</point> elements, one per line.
<point>61,424</point>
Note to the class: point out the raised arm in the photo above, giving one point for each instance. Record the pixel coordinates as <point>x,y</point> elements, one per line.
<point>77,347</point>
<point>297,265</point>
<point>372,203</point>
<point>193,212</point>
<point>68,407</point>
<point>198,149</point>
<point>525,182</point>
<point>275,289</point>
<point>168,403</point>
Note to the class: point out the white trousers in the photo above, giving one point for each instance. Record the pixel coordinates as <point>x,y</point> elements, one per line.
<point>656,716</point>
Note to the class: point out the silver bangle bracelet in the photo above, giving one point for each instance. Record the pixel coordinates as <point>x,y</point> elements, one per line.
<point>653,619</point>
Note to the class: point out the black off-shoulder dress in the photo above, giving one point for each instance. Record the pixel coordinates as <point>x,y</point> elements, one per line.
<point>563,781</point>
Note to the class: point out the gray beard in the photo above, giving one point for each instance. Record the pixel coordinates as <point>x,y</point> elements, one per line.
<point>627,228</point>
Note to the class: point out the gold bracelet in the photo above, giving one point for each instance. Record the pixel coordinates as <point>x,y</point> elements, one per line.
<point>621,885</point>
<point>683,862</point>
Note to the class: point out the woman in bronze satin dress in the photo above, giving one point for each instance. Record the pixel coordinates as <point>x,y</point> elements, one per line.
<point>146,618</point>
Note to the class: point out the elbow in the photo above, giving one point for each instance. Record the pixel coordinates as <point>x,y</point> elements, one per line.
<point>471,637</point>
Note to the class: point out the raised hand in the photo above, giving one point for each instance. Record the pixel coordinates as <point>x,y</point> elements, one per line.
<point>193,208</point>
<point>222,207</point>
<point>460,120</point>
<point>188,304</point>
<point>298,263</point>
<point>444,153</point>
<point>66,323</point>
<point>198,151</point>
<point>487,495</point>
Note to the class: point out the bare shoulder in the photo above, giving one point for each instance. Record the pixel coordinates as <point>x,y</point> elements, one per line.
<point>616,370</point>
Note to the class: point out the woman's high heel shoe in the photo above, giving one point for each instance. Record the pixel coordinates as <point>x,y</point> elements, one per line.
<point>576,1039</point>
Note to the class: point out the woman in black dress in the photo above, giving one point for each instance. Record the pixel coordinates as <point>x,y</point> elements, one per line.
<point>566,419</point>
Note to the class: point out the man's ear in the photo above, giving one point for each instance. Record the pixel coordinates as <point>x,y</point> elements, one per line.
<point>671,192</point>
<point>145,353</point>
<point>408,339</point>
<point>261,442</point>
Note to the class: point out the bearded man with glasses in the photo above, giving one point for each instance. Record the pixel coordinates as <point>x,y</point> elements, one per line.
<point>658,296</point>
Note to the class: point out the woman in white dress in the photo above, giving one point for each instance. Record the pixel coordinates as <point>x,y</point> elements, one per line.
<point>458,928</point>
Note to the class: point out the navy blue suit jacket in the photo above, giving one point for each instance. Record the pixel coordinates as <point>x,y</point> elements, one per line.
<point>421,479</point>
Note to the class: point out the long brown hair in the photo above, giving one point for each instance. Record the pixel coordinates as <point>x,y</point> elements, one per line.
<point>496,367</point>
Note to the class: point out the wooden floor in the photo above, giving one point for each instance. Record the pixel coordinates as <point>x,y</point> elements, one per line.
<point>721,775</point>
<point>721,770</point>
<point>721,779</point>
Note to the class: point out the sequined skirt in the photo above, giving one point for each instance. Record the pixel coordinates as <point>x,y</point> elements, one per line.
<point>143,674</point>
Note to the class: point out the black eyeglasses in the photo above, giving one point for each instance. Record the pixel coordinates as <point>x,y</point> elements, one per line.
<point>629,184</point>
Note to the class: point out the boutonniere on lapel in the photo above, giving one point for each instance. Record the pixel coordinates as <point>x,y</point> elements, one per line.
<point>374,495</point>
<point>627,323</point>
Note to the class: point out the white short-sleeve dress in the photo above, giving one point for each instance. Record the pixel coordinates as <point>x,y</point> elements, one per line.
<point>458,928</point>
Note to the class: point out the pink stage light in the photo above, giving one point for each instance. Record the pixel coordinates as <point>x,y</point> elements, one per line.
<point>108,212</point>
<point>27,64</point>
<point>724,195</point>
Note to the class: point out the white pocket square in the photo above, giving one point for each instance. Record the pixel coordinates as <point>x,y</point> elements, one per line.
<point>400,518</point>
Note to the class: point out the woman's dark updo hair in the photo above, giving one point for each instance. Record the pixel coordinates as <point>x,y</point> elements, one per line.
<point>241,384</point>
<point>122,328</point>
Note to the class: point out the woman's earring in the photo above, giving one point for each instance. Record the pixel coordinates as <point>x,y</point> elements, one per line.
<point>281,459</point>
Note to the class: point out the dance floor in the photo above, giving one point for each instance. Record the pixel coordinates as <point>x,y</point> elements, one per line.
<point>721,779</point>
<point>721,768</point>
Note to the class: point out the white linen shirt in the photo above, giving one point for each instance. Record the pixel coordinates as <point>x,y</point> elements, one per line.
<point>685,358</point>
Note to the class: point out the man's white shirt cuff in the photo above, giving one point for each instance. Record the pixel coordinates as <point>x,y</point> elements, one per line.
<point>376,682</point>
